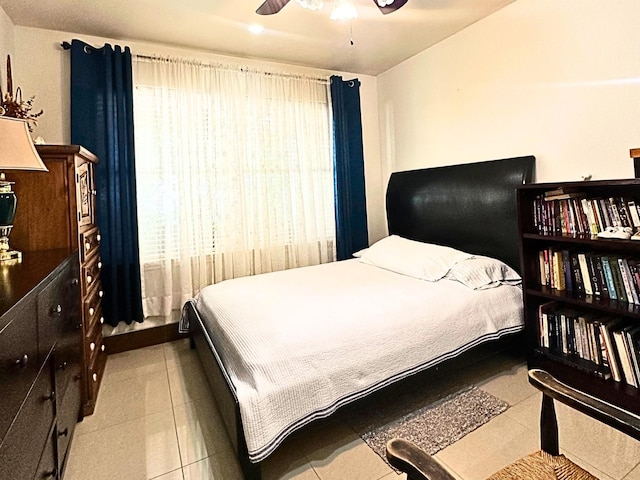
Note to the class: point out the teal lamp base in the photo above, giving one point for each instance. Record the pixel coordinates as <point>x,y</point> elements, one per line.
<point>7,213</point>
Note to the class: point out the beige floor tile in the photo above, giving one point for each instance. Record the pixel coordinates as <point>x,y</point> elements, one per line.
<point>178,354</point>
<point>134,363</point>
<point>188,383</point>
<point>217,467</point>
<point>510,385</point>
<point>607,449</point>
<point>141,449</point>
<point>351,459</point>
<point>394,476</point>
<point>527,412</point>
<point>175,475</point>
<point>201,432</point>
<point>634,474</point>
<point>489,448</point>
<point>288,463</point>
<point>126,400</point>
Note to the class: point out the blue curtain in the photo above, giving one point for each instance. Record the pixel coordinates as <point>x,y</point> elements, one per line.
<point>351,208</point>
<point>102,121</point>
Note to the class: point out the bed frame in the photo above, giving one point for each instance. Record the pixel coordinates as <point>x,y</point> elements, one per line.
<point>471,207</point>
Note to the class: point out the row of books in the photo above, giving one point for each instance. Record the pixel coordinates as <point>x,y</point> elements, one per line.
<point>588,273</point>
<point>573,214</point>
<point>608,347</point>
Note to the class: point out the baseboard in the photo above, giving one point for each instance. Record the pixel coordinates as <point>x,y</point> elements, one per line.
<point>147,337</point>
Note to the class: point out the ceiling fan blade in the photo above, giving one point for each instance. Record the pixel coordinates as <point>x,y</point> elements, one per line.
<point>269,7</point>
<point>390,8</point>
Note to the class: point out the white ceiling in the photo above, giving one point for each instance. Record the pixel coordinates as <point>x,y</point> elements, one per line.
<point>294,35</point>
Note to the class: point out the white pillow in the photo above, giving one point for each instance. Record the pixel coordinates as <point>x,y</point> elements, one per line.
<point>424,261</point>
<point>479,273</point>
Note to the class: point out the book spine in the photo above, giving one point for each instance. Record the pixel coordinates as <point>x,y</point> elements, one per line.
<point>608,275</point>
<point>610,351</point>
<point>584,272</point>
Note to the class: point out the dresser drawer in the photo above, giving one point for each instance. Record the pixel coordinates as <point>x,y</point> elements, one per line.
<point>92,308</point>
<point>25,441</point>
<point>52,312</point>
<point>18,361</point>
<point>94,343</point>
<point>89,243</point>
<point>95,371</point>
<point>68,414</point>
<point>90,274</point>
<point>47,467</point>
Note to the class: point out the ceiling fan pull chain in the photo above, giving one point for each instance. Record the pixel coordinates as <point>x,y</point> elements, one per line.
<point>351,32</point>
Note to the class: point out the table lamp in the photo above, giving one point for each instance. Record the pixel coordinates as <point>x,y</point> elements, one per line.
<point>17,152</point>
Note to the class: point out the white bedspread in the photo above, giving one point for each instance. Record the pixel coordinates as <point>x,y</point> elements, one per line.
<point>298,344</point>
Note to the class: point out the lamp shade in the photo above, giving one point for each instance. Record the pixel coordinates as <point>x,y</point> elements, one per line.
<point>17,151</point>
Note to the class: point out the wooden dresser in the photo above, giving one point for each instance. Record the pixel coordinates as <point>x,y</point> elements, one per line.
<point>40,363</point>
<point>56,210</point>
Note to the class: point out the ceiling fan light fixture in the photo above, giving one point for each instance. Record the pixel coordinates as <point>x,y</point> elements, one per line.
<point>343,10</point>
<point>384,3</point>
<point>310,4</point>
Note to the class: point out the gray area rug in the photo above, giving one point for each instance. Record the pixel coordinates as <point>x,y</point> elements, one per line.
<point>432,427</point>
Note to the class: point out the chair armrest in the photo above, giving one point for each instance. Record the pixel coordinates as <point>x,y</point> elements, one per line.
<point>613,416</point>
<point>415,462</point>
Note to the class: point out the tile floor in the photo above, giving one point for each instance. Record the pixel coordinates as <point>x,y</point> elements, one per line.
<point>155,419</point>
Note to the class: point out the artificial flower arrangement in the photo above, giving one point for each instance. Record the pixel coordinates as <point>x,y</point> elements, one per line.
<point>12,105</point>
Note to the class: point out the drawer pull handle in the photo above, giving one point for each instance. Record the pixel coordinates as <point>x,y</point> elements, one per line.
<point>100,293</point>
<point>98,237</point>
<point>62,366</point>
<point>50,396</point>
<point>102,348</point>
<point>75,281</point>
<point>95,377</point>
<point>89,278</point>
<point>99,265</point>
<point>57,310</point>
<point>87,246</point>
<point>91,310</point>
<point>101,320</point>
<point>92,346</point>
<point>64,432</point>
<point>22,362</point>
<point>94,192</point>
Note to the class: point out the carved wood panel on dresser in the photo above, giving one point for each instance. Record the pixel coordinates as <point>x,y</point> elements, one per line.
<point>56,209</point>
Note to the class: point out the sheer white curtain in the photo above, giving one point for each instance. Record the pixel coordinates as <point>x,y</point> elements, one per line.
<point>234,175</point>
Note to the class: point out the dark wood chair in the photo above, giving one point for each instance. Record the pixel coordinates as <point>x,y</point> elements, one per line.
<point>545,464</point>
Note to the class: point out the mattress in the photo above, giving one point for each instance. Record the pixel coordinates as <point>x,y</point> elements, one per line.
<point>300,343</point>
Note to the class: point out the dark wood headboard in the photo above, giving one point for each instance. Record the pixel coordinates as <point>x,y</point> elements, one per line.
<point>471,207</point>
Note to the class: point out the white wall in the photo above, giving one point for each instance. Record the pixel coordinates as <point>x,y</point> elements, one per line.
<point>559,79</point>
<point>6,47</point>
<point>43,69</point>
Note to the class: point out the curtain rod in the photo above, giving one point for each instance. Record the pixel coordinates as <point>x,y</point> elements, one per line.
<point>156,58</point>
<point>159,58</point>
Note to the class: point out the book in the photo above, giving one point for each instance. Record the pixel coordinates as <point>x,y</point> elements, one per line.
<point>596,281</point>
<point>633,212</point>
<point>606,326</point>
<point>617,279</point>
<point>602,282</point>
<point>576,273</point>
<point>584,272</point>
<point>629,284</point>
<point>543,315</point>
<point>633,343</point>
<point>619,337</point>
<point>608,276</point>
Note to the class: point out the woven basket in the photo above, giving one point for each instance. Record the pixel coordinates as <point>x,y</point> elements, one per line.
<point>542,466</point>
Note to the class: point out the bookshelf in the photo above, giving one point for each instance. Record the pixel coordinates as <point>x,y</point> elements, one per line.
<point>579,358</point>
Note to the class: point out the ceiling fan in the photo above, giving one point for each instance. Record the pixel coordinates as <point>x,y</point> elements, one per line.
<point>269,7</point>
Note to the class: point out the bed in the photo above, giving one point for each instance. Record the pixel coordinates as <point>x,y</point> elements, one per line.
<point>346,329</point>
